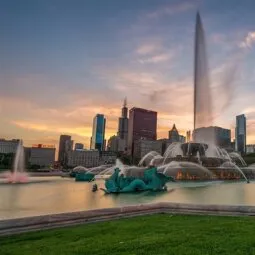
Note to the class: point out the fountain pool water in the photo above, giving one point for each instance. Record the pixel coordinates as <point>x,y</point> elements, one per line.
<point>58,195</point>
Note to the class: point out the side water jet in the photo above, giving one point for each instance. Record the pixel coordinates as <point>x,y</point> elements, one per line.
<point>18,175</point>
<point>148,158</point>
<point>233,166</point>
<point>187,168</point>
<point>239,157</point>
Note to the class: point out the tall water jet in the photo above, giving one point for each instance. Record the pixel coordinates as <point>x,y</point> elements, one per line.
<point>18,175</point>
<point>202,91</point>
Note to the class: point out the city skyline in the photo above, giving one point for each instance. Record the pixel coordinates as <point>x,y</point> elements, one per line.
<point>74,61</point>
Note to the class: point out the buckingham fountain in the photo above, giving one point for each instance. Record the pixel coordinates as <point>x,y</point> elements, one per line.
<point>197,160</point>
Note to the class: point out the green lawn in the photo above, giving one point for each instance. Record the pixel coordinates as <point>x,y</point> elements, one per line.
<point>158,234</point>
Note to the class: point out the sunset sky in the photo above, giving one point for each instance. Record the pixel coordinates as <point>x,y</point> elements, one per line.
<point>63,61</point>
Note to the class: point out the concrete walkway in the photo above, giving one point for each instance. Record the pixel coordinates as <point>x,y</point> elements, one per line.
<point>15,226</point>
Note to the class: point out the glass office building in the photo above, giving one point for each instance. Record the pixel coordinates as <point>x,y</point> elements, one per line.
<point>98,133</point>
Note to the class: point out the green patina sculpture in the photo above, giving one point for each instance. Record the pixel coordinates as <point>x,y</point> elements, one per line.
<point>84,177</point>
<point>150,180</point>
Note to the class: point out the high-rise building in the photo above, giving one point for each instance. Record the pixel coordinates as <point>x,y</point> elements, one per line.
<point>98,133</point>
<point>173,134</point>
<point>142,124</point>
<point>62,151</point>
<point>240,134</point>
<point>78,146</point>
<point>213,135</point>
<point>123,124</point>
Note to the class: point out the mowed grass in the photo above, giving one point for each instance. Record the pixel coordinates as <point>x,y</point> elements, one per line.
<point>157,234</point>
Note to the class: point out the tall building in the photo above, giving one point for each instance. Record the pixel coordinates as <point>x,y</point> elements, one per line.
<point>213,135</point>
<point>78,146</point>
<point>173,134</point>
<point>64,142</point>
<point>240,134</point>
<point>98,133</point>
<point>142,124</point>
<point>123,122</point>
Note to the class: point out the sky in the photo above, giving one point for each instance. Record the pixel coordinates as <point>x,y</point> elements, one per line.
<point>64,61</point>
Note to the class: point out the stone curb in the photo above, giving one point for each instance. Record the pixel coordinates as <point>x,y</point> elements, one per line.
<point>14,226</point>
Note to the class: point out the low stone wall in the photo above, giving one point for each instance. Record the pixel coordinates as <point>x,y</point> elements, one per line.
<point>14,226</point>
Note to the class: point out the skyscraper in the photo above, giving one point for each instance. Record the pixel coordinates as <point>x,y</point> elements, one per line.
<point>123,123</point>
<point>240,134</point>
<point>64,141</point>
<point>98,132</point>
<point>173,134</point>
<point>142,124</point>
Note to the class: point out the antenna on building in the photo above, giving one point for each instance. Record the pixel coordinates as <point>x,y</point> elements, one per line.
<point>125,102</point>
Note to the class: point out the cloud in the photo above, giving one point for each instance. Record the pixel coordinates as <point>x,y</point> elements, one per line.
<point>153,52</point>
<point>147,49</point>
<point>153,90</point>
<point>172,9</point>
<point>163,57</point>
<point>248,40</point>
<point>32,108</point>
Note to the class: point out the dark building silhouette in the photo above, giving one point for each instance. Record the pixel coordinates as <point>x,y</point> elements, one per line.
<point>123,123</point>
<point>142,124</point>
<point>64,141</point>
<point>240,134</point>
<point>173,134</point>
<point>79,146</point>
<point>98,133</point>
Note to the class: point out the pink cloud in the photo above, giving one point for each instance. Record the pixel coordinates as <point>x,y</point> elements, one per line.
<point>148,48</point>
<point>248,40</point>
<point>155,59</point>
